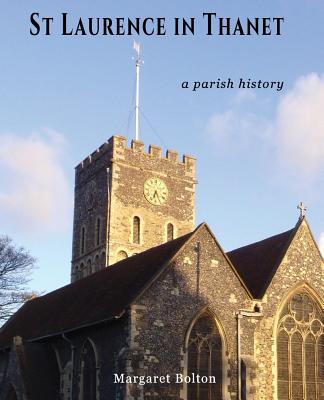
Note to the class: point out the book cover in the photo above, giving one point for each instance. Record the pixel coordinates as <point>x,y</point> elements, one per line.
<point>162,166</point>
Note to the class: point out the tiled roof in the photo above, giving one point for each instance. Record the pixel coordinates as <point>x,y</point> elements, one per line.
<point>107,293</point>
<point>101,296</point>
<point>256,263</point>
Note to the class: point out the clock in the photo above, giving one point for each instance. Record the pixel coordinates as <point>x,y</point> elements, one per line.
<point>155,191</point>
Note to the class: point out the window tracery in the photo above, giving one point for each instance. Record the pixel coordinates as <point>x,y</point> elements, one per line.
<point>300,350</point>
<point>205,359</point>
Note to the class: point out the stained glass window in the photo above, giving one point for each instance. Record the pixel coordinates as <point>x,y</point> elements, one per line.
<point>205,359</point>
<point>300,351</point>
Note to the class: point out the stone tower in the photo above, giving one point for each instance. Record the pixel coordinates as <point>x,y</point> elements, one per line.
<point>126,201</point>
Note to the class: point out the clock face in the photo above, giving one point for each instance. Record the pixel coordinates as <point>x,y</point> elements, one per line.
<point>155,191</point>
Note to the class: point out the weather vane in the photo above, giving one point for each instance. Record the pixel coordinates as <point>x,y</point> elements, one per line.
<point>302,210</point>
<point>138,63</point>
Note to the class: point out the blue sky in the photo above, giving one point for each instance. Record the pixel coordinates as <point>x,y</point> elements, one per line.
<point>259,152</point>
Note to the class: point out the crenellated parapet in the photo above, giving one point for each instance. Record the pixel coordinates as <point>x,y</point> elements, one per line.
<point>136,155</point>
<point>116,148</point>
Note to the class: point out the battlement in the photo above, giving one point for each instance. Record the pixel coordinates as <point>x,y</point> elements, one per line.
<point>104,148</point>
<point>117,145</point>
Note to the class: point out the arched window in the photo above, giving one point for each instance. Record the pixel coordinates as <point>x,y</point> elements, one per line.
<point>97,266</point>
<point>89,269</point>
<point>205,359</point>
<point>88,387</point>
<point>81,270</point>
<point>170,232</point>
<point>83,232</point>
<point>136,230</point>
<point>103,259</point>
<point>98,231</point>
<point>121,255</point>
<point>300,349</point>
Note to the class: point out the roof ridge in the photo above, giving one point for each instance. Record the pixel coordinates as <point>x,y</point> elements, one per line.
<point>263,240</point>
<point>257,262</point>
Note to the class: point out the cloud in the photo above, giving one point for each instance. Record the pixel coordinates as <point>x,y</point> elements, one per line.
<point>293,136</point>
<point>237,127</point>
<point>299,126</point>
<point>244,95</point>
<point>35,194</point>
<point>321,243</point>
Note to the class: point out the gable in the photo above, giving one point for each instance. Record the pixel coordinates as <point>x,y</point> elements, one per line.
<point>198,276</point>
<point>302,263</point>
<point>200,263</point>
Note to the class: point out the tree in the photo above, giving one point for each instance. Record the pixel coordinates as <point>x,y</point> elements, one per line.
<point>16,265</point>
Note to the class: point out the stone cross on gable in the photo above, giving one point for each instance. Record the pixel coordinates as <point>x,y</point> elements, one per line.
<point>302,209</point>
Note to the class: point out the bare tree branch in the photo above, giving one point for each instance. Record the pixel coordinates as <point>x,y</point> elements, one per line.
<point>16,265</point>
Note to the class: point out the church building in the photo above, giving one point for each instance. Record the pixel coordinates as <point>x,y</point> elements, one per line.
<point>156,309</point>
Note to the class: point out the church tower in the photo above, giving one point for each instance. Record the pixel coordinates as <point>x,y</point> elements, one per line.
<point>128,200</point>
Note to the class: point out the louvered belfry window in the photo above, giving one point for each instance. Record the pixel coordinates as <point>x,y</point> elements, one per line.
<point>170,232</point>
<point>83,240</point>
<point>98,238</point>
<point>300,350</point>
<point>205,359</point>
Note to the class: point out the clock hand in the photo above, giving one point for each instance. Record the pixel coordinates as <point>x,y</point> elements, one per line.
<point>157,195</point>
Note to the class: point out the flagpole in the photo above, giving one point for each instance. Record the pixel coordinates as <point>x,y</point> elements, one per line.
<point>138,64</point>
<point>137,100</point>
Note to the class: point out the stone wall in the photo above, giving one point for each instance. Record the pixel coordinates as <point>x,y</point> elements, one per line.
<point>200,277</point>
<point>301,268</point>
<point>91,200</point>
